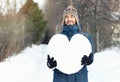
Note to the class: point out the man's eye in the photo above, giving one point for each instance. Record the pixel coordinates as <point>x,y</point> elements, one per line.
<point>66,17</point>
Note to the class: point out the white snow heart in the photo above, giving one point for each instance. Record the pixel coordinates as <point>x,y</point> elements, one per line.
<point>68,54</point>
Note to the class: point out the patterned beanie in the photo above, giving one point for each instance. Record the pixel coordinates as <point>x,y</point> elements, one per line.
<point>70,10</point>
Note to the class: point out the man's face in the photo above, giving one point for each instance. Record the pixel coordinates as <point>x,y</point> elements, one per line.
<point>70,19</point>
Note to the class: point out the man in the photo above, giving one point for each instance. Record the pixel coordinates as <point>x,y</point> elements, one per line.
<point>71,27</point>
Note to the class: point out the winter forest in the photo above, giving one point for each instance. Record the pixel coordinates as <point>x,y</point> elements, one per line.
<point>25,22</point>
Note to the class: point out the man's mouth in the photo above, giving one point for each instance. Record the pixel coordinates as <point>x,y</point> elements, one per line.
<point>69,22</point>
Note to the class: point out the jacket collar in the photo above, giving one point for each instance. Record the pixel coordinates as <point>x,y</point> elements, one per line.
<point>70,28</point>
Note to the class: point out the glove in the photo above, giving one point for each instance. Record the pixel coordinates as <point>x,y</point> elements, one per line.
<point>51,63</point>
<point>86,60</point>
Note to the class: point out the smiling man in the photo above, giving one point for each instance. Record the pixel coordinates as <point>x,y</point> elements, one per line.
<point>71,28</point>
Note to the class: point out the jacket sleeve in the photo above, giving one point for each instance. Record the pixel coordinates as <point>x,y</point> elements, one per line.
<point>91,56</point>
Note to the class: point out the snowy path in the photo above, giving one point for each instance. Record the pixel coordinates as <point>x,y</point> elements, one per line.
<point>30,66</point>
<point>106,66</point>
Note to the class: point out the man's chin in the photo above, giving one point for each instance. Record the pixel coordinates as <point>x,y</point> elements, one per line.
<point>70,24</point>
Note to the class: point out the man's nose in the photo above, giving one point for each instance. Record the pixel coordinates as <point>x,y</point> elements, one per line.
<point>69,18</point>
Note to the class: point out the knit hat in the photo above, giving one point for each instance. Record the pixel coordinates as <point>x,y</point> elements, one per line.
<point>70,10</point>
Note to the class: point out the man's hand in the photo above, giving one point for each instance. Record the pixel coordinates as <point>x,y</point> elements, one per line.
<point>51,63</point>
<point>86,60</point>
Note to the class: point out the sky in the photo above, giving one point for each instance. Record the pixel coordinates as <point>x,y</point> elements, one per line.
<point>40,2</point>
<point>3,7</point>
<point>30,66</point>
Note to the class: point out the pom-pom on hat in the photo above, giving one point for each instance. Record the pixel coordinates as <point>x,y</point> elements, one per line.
<point>70,10</point>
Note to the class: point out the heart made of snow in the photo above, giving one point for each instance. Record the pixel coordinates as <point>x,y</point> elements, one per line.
<point>68,54</point>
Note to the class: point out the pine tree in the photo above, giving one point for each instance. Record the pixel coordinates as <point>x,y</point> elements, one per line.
<point>36,23</point>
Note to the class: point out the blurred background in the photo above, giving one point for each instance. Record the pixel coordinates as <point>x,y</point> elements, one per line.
<point>27,22</point>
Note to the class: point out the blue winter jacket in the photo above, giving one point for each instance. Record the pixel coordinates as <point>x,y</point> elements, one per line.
<point>69,31</point>
<point>80,76</point>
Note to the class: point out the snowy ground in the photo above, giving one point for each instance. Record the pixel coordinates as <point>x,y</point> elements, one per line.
<point>30,66</point>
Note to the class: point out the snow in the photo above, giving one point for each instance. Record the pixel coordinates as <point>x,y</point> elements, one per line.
<point>61,48</point>
<point>106,66</point>
<point>30,66</point>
